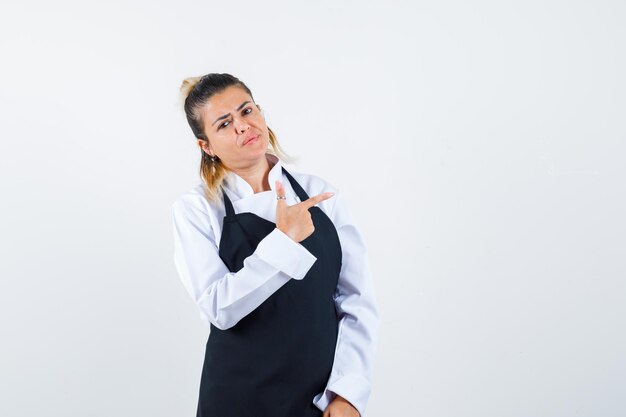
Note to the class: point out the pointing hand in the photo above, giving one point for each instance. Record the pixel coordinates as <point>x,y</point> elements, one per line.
<point>295,221</point>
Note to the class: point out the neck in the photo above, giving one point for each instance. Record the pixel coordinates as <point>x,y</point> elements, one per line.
<point>256,175</point>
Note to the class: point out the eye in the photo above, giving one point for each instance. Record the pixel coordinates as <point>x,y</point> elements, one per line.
<point>245,111</point>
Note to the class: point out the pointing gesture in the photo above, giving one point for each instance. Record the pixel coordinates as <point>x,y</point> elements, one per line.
<point>295,221</point>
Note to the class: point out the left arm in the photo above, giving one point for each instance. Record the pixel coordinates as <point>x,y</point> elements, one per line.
<point>350,378</point>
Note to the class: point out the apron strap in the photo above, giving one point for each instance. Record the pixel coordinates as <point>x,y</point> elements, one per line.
<point>230,211</point>
<point>296,187</point>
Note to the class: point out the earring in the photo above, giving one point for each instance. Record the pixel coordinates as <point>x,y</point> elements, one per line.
<point>213,158</point>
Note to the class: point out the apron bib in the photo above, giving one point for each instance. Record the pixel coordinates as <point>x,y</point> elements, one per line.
<point>277,358</point>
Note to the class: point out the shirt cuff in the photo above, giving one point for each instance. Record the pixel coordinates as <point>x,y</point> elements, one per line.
<point>354,388</point>
<point>285,254</point>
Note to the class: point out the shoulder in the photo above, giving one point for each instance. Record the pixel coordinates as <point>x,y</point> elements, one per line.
<point>193,201</point>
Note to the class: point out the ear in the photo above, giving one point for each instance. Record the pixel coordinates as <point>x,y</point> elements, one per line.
<point>205,146</point>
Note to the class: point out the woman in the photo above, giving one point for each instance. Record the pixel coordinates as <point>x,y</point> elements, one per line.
<point>277,268</point>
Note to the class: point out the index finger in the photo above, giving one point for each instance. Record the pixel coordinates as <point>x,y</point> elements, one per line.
<point>317,199</point>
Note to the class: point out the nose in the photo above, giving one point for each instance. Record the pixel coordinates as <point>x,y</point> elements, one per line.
<point>242,126</point>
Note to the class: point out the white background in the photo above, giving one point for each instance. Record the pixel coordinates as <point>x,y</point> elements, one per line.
<point>480,145</point>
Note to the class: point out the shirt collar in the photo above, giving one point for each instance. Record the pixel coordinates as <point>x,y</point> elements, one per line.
<point>239,187</point>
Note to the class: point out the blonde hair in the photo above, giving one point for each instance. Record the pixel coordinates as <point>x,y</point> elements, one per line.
<point>195,92</point>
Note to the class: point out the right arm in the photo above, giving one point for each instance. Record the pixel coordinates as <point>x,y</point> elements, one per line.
<point>225,297</point>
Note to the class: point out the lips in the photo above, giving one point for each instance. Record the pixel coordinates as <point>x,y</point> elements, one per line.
<point>245,142</point>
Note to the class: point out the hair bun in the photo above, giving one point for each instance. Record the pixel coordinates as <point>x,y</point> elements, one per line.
<point>185,88</point>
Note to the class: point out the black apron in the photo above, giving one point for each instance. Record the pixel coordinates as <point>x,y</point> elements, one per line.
<point>277,358</point>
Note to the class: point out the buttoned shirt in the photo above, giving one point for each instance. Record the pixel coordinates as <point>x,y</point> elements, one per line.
<point>225,297</point>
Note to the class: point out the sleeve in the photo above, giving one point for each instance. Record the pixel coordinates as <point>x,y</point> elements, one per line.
<point>224,297</point>
<point>359,318</point>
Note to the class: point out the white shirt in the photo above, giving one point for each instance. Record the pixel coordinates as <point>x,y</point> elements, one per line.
<point>225,297</point>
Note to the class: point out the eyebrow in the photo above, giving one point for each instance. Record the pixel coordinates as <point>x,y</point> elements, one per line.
<point>228,114</point>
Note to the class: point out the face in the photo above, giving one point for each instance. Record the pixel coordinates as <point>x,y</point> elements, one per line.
<point>231,119</point>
